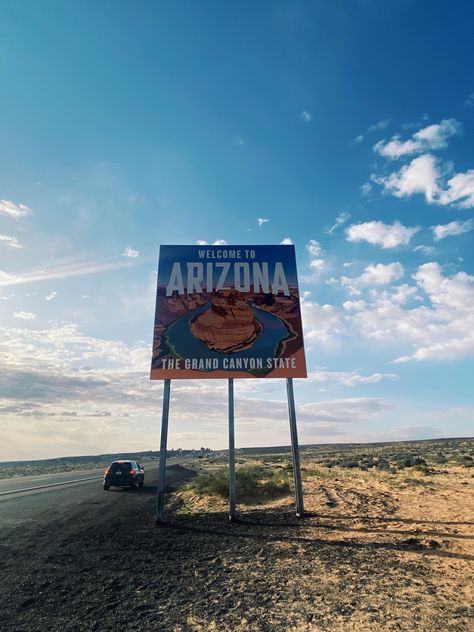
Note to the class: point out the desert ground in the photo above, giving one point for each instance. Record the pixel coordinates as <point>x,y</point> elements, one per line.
<point>387,543</point>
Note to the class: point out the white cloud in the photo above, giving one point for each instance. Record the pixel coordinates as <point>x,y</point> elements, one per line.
<point>313,247</point>
<point>286,241</point>
<point>217,242</point>
<point>358,139</point>
<point>25,315</point>
<point>16,211</point>
<point>318,264</point>
<point>130,252</point>
<point>422,175</point>
<point>441,330</point>
<point>366,188</point>
<point>322,323</point>
<point>262,220</point>
<point>12,242</point>
<point>453,228</point>
<point>374,274</point>
<point>440,326</point>
<point>102,390</point>
<point>306,116</point>
<point>429,138</point>
<point>51,296</point>
<point>460,190</point>
<point>400,294</point>
<point>339,221</point>
<point>354,306</point>
<point>384,235</point>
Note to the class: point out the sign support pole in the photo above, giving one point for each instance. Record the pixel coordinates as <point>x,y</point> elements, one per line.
<point>232,494</point>
<point>295,453</point>
<point>160,490</point>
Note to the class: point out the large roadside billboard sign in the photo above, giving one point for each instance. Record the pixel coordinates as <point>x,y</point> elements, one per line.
<point>227,312</point>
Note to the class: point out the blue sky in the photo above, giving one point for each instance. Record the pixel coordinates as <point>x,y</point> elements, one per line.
<point>344,127</point>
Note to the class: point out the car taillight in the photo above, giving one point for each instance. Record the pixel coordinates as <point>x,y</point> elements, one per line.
<point>132,472</point>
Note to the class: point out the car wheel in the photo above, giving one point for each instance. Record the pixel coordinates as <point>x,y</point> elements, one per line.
<point>106,488</point>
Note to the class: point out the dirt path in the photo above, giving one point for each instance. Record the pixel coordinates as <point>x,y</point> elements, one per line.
<point>367,558</point>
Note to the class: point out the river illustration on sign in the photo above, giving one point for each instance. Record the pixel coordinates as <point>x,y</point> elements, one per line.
<point>227,311</point>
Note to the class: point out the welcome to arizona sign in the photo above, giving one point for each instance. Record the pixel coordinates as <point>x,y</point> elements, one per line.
<point>227,311</point>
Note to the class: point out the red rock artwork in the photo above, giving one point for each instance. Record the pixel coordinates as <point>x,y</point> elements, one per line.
<point>229,325</point>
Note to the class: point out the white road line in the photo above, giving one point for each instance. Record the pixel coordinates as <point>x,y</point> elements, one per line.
<point>30,489</point>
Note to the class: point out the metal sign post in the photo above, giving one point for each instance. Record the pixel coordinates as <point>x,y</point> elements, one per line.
<point>227,312</point>
<point>295,453</point>
<point>160,490</point>
<point>232,494</point>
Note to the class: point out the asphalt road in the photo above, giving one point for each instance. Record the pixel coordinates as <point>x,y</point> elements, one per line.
<point>30,499</point>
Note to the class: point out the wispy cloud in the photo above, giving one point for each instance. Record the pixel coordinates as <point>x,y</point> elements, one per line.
<point>370,130</point>
<point>339,221</point>
<point>349,378</point>
<point>25,315</point>
<point>469,102</point>
<point>130,252</point>
<point>286,241</point>
<point>453,228</point>
<point>6,276</point>
<point>16,211</point>
<point>262,220</point>
<point>306,116</point>
<point>51,296</point>
<point>425,250</point>
<point>61,374</point>
<point>63,271</point>
<point>378,126</point>
<point>12,242</point>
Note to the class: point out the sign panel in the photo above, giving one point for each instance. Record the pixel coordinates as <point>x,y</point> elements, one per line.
<point>227,311</point>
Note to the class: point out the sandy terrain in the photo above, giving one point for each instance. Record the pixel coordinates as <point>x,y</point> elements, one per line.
<point>375,552</point>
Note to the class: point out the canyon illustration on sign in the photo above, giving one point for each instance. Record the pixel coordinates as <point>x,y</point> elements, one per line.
<point>227,311</point>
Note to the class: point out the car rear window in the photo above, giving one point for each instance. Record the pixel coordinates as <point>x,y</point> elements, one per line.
<point>120,467</point>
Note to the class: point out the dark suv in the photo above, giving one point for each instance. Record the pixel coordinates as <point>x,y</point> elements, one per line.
<point>124,474</point>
